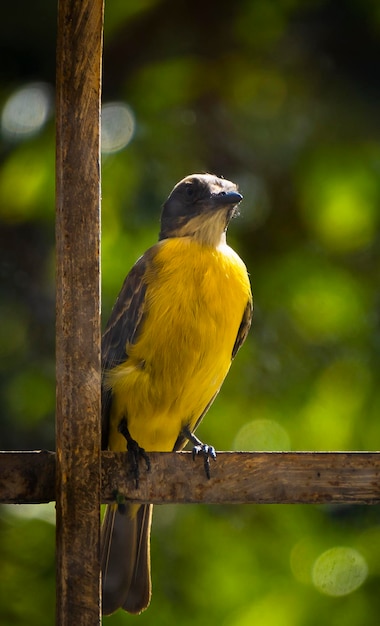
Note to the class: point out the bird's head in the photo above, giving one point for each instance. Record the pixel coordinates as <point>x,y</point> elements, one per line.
<point>200,206</point>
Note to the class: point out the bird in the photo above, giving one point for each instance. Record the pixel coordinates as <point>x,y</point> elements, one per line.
<point>183,312</point>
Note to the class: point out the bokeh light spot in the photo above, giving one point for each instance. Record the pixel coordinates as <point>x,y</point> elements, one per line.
<point>44,511</point>
<point>262,435</point>
<point>118,126</point>
<point>339,571</point>
<point>302,558</point>
<point>337,399</point>
<point>35,196</point>
<point>26,111</point>
<point>340,198</point>
<point>327,306</point>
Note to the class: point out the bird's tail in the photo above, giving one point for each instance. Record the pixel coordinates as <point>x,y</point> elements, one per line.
<point>125,558</point>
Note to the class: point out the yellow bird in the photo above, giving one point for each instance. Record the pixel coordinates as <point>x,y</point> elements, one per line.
<point>183,312</point>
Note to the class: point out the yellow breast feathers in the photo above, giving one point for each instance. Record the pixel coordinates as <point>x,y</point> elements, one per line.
<point>194,304</point>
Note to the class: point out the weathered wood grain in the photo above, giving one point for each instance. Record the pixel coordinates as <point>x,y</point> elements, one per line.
<point>236,477</point>
<point>249,477</point>
<point>78,81</point>
<point>27,477</point>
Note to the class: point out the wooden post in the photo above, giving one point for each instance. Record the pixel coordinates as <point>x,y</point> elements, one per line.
<point>79,50</point>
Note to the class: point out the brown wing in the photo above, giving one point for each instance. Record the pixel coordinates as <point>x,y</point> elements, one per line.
<point>243,328</point>
<point>123,328</point>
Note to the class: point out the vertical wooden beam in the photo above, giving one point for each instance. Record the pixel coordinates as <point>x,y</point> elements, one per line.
<point>79,51</point>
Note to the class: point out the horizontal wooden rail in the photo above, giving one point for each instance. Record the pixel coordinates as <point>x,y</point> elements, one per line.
<point>236,478</point>
<point>27,477</point>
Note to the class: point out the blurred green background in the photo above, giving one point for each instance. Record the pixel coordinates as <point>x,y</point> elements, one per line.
<point>281,97</point>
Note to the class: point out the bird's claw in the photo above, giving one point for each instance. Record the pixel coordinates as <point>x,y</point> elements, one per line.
<point>208,452</point>
<point>199,448</point>
<point>135,452</point>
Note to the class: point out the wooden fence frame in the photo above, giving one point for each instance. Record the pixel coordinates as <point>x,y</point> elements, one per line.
<point>79,476</point>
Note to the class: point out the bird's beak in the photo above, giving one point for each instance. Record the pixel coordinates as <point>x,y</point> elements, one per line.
<point>226,198</point>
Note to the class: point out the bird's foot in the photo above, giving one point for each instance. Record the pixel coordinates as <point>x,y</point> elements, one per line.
<point>203,449</point>
<point>135,452</point>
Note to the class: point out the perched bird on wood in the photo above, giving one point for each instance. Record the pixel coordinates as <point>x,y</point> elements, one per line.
<point>182,314</point>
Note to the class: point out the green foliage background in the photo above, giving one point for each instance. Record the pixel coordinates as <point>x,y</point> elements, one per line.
<point>282,97</point>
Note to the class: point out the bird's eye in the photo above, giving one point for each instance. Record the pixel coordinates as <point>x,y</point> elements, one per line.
<point>189,191</point>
